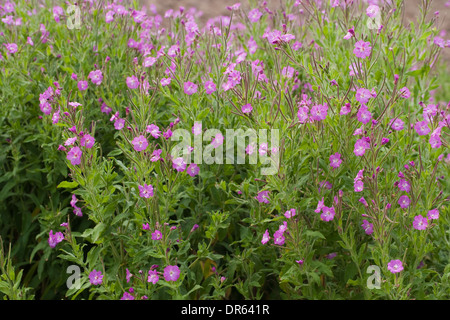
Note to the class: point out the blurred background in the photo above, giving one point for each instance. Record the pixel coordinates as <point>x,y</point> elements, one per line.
<point>213,8</point>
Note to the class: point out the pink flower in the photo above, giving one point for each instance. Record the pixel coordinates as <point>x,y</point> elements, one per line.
<point>87,141</point>
<point>266,237</point>
<point>96,77</point>
<point>119,124</point>
<point>210,87</point>
<point>95,277</point>
<point>82,85</point>
<point>157,235</point>
<point>263,197</point>
<point>405,93</point>
<point>153,276</point>
<point>197,128</point>
<point>360,147</point>
<point>397,124</point>
<point>129,275</point>
<point>363,95</point>
<point>247,108</point>
<point>327,214</point>
<point>146,191</point>
<point>132,82</point>
<point>11,47</point>
<point>290,213</point>
<point>179,164</point>
<point>404,185</point>
<point>278,238</point>
<point>70,141</point>
<point>77,211</point>
<point>433,214</point>
<point>154,131</point>
<point>404,202</point>
<point>127,296</point>
<point>54,239</point>
<point>395,266</point>
<point>193,170</point>
<point>217,141</point>
<point>346,109</point>
<point>362,49</point>
<point>358,186</point>
<point>319,112</point>
<point>254,15</point>
<point>364,115</point>
<point>74,155</point>
<point>368,227</point>
<point>420,223</point>
<point>372,11</point>
<point>435,141</point>
<point>171,273</point>
<point>335,160</point>
<point>320,205</point>
<point>303,114</point>
<point>422,128</point>
<point>190,88</point>
<point>149,61</point>
<point>139,143</point>
<point>166,81</point>
<point>145,226</point>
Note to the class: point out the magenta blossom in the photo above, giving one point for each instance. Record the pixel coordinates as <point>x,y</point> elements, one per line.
<point>404,202</point>
<point>54,239</point>
<point>372,11</point>
<point>335,160</point>
<point>132,82</point>
<point>404,185</point>
<point>319,112</point>
<point>247,108</point>
<point>433,214</point>
<point>95,277</point>
<point>422,128</point>
<point>153,276</point>
<point>74,155</point>
<point>171,273</point>
<point>157,235</point>
<point>278,238</point>
<point>368,227</point>
<point>96,77</point>
<point>193,170</point>
<point>154,131</point>
<point>405,93</point>
<point>360,147</point>
<point>179,164</point>
<point>327,214</point>
<point>420,223</point>
<point>320,205</point>
<point>362,49</point>
<point>87,141</point>
<point>190,88</point>
<point>364,115</point>
<point>397,124</point>
<point>266,237</point>
<point>210,87</point>
<point>82,85</point>
<point>363,95</point>
<point>139,143</point>
<point>254,15</point>
<point>290,213</point>
<point>263,197</point>
<point>395,266</point>
<point>146,191</point>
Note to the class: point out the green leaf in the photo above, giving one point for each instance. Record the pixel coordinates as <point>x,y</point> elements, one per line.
<point>67,184</point>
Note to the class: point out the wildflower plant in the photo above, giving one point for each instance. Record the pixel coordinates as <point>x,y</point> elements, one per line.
<point>361,170</point>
